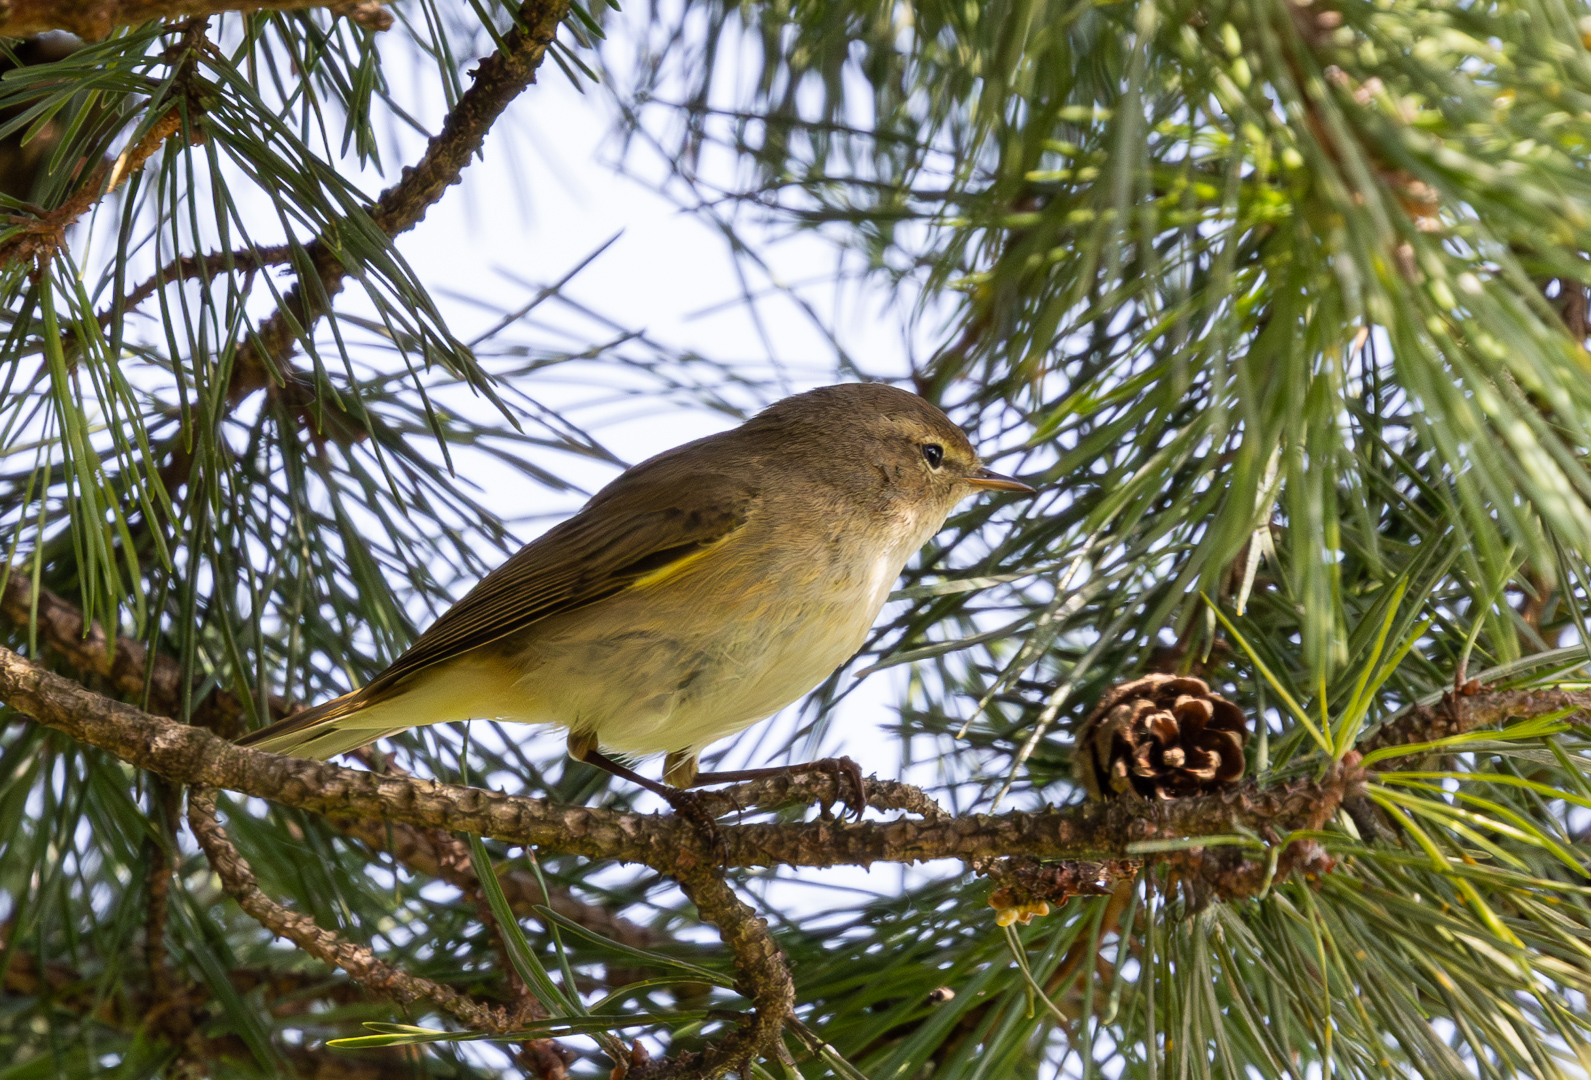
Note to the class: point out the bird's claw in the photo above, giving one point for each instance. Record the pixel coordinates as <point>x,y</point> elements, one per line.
<point>844,767</point>
<point>690,806</point>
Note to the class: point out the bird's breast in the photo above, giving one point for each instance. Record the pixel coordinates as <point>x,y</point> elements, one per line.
<point>733,638</point>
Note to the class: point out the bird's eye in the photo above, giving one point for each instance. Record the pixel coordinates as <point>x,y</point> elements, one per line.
<point>933,453</point>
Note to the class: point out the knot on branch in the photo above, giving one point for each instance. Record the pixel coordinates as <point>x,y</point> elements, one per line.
<point>1206,874</point>
<point>1025,887</point>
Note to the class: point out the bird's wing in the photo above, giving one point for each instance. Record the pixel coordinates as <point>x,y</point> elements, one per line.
<point>620,540</point>
<point>649,523</point>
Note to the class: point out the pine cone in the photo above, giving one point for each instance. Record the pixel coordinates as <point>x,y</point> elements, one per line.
<point>1163,736</point>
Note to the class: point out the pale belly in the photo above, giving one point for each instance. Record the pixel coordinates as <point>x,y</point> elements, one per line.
<point>651,693</point>
<point>670,671</point>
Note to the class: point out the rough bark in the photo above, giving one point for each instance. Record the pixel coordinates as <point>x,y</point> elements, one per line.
<point>97,19</point>
<point>1099,830</point>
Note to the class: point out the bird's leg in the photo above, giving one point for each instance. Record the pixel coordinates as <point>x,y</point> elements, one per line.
<point>584,748</point>
<point>835,767</point>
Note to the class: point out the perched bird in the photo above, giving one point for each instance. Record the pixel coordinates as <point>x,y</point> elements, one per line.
<point>699,592</point>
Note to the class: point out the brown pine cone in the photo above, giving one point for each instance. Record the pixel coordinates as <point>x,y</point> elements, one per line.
<point>1163,736</point>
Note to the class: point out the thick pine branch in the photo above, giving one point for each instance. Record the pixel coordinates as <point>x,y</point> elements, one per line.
<point>188,755</point>
<point>125,665</point>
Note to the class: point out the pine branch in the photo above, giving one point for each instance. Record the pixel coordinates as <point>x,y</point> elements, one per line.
<point>124,664</point>
<point>499,79</point>
<point>361,964</point>
<point>1457,713</point>
<point>189,755</point>
<point>1111,830</point>
<point>95,20</point>
<point>1094,830</point>
<point>193,756</point>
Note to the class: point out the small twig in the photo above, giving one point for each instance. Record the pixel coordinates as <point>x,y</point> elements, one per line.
<point>157,886</point>
<point>763,976</point>
<point>499,79</point>
<point>39,237</point>
<point>191,267</point>
<point>361,964</point>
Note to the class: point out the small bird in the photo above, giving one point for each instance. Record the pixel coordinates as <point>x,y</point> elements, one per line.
<point>699,592</point>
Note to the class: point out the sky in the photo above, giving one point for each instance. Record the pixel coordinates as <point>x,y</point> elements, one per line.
<point>549,193</point>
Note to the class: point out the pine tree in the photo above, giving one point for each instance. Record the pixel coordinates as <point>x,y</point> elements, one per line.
<point>1254,744</point>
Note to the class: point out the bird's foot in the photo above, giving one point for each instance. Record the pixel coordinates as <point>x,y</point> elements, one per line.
<point>684,803</point>
<point>693,808</point>
<point>846,773</point>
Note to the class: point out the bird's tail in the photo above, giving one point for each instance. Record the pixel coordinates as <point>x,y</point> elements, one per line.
<point>454,691</point>
<point>324,731</point>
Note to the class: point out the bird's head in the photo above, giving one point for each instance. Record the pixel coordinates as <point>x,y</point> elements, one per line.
<point>880,440</point>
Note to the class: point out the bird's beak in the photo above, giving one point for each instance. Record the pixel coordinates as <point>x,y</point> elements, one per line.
<point>989,480</point>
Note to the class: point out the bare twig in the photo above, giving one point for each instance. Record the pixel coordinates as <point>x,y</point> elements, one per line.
<point>362,965</point>
<point>498,80</point>
<point>190,267</point>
